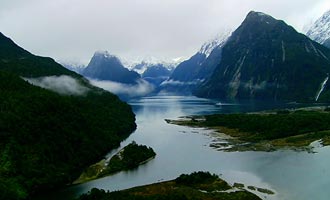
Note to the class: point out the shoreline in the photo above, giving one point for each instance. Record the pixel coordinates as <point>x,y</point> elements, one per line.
<point>101,168</point>
<point>233,139</point>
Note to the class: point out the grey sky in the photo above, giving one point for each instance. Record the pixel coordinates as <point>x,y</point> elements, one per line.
<point>74,29</point>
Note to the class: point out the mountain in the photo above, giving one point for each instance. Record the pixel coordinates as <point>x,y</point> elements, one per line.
<point>49,134</point>
<point>327,43</point>
<point>320,30</point>
<point>104,66</point>
<point>144,65</point>
<point>156,74</point>
<point>74,66</point>
<point>266,59</point>
<point>16,59</point>
<point>155,71</point>
<point>199,67</point>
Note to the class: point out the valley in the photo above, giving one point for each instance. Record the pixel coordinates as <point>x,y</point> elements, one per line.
<point>244,116</point>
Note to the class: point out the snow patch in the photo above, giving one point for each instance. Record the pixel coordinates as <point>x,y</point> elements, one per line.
<point>216,42</point>
<point>322,88</point>
<point>104,53</point>
<point>320,30</point>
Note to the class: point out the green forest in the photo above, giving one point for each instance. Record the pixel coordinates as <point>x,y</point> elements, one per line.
<point>272,126</point>
<point>128,158</point>
<point>47,139</point>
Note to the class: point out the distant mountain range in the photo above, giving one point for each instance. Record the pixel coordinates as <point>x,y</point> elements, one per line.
<point>263,59</point>
<point>320,30</point>
<point>188,74</point>
<point>267,59</point>
<point>74,66</point>
<point>156,74</point>
<point>142,66</point>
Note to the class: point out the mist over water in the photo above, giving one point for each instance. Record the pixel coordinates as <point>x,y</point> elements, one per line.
<point>141,88</point>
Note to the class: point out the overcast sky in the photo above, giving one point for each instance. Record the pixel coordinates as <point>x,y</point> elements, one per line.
<point>72,30</point>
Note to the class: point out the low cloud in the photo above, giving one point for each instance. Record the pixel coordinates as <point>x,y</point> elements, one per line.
<point>180,83</point>
<point>142,88</point>
<point>65,85</point>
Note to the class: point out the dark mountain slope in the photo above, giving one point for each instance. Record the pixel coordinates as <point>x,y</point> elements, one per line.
<point>267,59</point>
<point>190,73</point>
<point>15,59</point>
<point>47,139</point>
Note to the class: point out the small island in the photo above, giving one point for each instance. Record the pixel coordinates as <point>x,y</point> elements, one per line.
<point>130,157</point>
<point>196,186</point>
<point>265,131</point>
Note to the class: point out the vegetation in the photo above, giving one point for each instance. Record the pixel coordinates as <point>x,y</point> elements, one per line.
<point>203,181</point>
<point>204,186</point>
<point>130,157</point>
<point>272,126</point>
<point>47,139</point>
<point>16,60</point>
<point>266,130</point>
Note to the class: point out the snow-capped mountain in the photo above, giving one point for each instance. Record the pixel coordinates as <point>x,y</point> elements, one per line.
<point>202,64</point>
<point>320,30</point>
<point>73,66</point>
<point>190,73</point>
<point>267,59</point>
<point>104,66</point>
<point>217,41</point>
<point>141,64</point>
<point>145,65</point>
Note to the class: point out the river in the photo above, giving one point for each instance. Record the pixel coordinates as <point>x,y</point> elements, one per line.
<point>290,174</point>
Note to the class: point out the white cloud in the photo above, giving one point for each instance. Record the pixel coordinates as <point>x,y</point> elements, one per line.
<point>74,29</point>
<point>142,88</point>
<point>179,83</point>
<point>65,85</point>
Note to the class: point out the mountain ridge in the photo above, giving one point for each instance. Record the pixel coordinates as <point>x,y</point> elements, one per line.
<point>320,30</point>
<point>267,59</point>
<point>104,66</point>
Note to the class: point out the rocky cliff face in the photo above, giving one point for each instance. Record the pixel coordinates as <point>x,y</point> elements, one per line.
<point>267,59</point>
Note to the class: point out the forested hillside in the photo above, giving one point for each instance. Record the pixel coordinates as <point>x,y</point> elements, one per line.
<point>47,139</point>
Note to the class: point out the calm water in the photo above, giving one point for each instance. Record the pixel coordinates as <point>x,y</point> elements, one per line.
<point>292,175</point>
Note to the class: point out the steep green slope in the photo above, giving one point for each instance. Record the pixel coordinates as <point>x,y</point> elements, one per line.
<point>46,139</point>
